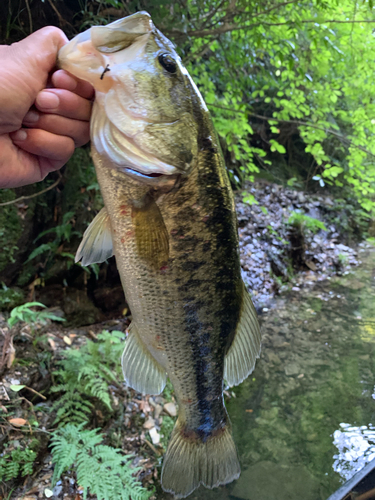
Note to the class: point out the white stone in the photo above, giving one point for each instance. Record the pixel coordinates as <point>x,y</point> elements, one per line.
<point>171,409</point>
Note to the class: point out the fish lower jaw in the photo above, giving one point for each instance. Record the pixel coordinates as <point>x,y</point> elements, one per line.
<point>154,178</point>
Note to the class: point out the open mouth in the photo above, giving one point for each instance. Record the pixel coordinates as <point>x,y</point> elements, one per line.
<point>140,175</point>
<point>154,175</point>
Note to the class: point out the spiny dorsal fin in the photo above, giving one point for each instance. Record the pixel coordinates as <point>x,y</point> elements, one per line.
<point>96,245</point>
<point>141,370</point>
<point>245,348</point>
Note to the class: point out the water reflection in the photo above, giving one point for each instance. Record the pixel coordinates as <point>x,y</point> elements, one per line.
<point>356,447</point>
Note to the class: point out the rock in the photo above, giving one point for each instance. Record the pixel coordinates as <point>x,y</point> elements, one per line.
<point>270,481</point>
<point>57,490</point>
<point>311,265</point>
<point>273,358</point>
<point>171,409</point>
<point>149,424</point>
<point>292,369</point>
<point>158,410</point>
<point>154,435</point>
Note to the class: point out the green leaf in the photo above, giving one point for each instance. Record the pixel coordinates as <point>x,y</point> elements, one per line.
<point>17,388</point>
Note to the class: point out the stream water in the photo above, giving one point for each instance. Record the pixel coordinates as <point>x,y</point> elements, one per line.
<point>304,421</point>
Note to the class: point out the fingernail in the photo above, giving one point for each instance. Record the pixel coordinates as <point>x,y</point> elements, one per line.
<point>31,117</point>
<point>20,135</point>
<point>47,100</point>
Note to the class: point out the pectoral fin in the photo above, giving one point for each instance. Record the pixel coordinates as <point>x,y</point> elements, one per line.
<point>141,370</point>
<point>96,245</point>
<point>151,235</point>
<point>245,349</point>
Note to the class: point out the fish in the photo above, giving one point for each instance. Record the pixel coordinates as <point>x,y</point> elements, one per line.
<point>169,218</point>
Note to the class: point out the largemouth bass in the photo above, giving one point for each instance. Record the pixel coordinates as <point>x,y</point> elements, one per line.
<point>169,219</point>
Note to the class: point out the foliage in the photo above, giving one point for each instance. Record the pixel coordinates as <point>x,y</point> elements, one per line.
<point>249,198</point>
<point>28,315</point>
<point>85,374</point>
<point>166,430</point>
<point>17,462</point>
<point>350,219</point>
<point>102,470</point>
<point>289,86</point>
<point>10,297</point>
<point>303,222</point>
<point>55,223</point>
<point>63,233</point>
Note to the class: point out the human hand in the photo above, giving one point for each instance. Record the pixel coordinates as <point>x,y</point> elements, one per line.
<point>39,126</point>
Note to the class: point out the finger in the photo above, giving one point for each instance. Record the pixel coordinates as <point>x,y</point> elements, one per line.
<point>57,149</point>
<point>26,170</point>
<point>64,103</point>
<point>63,80</point>
<point>78,130</point>
<point>19,168</point>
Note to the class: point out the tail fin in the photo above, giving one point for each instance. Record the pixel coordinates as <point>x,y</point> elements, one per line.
<point>190,462</point>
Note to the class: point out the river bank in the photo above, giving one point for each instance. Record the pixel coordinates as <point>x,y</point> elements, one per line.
<point>282,243</point>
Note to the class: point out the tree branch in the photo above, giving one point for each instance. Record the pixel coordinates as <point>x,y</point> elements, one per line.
<point>32,195</point>
<point>29,14</point>
<point>62,21</point>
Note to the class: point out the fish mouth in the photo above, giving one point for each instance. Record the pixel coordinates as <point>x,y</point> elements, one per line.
<point>155,179</point>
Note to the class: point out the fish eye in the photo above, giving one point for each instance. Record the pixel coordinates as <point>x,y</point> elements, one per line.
<point>168,63</point>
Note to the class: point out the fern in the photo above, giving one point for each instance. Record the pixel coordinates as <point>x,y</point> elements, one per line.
<point>15,462</point>
<point>25,313</point>
<point>85,374</point>
<point>71,406</point>
<point>103,470</point>
<point>46,247</point>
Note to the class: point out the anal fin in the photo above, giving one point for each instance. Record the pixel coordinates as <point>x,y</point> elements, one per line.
<point>96,245</point>
<point>245,349</point>
<point>141,370</point>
